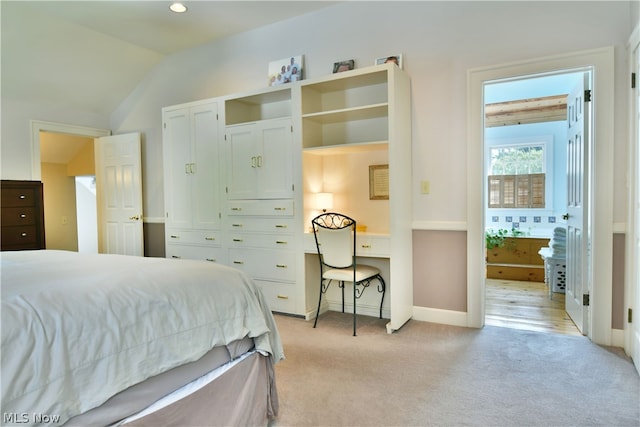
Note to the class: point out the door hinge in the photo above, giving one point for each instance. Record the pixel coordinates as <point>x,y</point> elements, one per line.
<point>585,300</point>
<point>630,315</point>
<point>633,80</point>
<point>587,95</point>
<point>291,128</point>
<point>165,125</point>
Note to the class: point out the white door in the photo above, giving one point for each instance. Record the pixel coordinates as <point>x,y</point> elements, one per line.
<point>577,203</point>
<point>275,159</point>
<point>119,189</point>
<point>177,165</point>
<point>242,162</point>
<point>204,166</point>
<point>634,291</point>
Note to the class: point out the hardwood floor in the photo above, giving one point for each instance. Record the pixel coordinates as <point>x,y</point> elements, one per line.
<point>526,305</point>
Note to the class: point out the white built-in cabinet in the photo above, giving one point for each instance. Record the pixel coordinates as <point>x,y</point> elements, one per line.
<point>260,160</point>
<point>191,156</point>
<point>281,145</point>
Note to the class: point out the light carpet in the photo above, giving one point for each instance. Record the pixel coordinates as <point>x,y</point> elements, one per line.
<point>427,374</point>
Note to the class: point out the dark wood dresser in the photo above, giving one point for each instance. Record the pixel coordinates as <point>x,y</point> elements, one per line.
<point>22,215</point>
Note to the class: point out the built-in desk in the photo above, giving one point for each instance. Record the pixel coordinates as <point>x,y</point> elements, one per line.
<point>376,249</point>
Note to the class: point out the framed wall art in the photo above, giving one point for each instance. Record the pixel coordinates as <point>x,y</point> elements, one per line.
<point>287,70</point>
<point>397,59</point>
<point>379,182</point>
<point>341,66</point>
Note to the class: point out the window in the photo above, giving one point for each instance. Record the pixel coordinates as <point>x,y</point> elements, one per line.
<point>517,176</point>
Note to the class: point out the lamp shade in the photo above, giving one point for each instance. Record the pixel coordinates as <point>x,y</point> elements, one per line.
<point>324,201</point>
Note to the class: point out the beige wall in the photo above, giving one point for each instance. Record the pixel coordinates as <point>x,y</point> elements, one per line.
<point>83,163</point>
<point>60,207</point>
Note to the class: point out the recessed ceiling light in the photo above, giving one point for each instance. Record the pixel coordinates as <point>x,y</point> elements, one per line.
<point>178,7</point>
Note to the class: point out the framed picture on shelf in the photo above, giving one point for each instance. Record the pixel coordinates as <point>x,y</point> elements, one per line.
<point>287,70</point>
<point>397,59</point>
<point>379,182</point>
<point>341,66</point>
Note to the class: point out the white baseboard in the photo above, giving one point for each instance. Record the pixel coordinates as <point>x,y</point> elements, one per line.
<point>436,315</point>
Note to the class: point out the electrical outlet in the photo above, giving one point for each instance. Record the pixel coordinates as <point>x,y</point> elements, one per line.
<point>425,187</point>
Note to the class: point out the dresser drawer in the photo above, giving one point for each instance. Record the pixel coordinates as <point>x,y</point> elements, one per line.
<point>280,296</point>
<point>26,236</point>
<point>264,225</point>
<point>265,264</point>
<point>197,237</point>
<point>217,255</point>
<point>16,197</point>
<point>272,241</point>
<point>19,216</point>
<point>276,207</point>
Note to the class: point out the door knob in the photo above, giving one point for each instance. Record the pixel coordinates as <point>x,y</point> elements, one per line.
<point>134,218</point>
<point>565,216</point>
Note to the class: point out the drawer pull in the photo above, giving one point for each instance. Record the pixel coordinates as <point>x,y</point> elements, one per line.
<point>280,209</point>
<point>176,256</point>
<point>282,296</point>
<point>236,209</point>
<point>236,225</point>
<point>238,262</point>
<point>210,238</point>
<point>281,242</point>
<point>281,226</point>
<point>22,197</point>
<point>281,265</point>
<point>366,246</point>
<point>23,234</point>
<point>23,215</point>
<point>173,236</point>
<point>238,240</point>
<point>211,259</point>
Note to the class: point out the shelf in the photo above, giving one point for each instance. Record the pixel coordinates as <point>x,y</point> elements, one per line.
<point>271,104</point>
<point>330,150</point>
<point>349,114</point>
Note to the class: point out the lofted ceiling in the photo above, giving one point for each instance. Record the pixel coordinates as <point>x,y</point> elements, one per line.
<point>88,56</point>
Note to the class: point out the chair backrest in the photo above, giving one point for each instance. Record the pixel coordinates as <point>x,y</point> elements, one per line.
<point>335,239</point>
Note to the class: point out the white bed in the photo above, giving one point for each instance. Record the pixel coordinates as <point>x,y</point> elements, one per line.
<point>95,339</point>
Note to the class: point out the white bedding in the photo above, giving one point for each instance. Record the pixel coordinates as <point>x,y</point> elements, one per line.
<point>78,328</point>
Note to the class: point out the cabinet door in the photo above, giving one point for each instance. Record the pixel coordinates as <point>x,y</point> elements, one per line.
<point>275,159</point>
<point>242,162</point>
<point>204,167</point>
<point>177,157</point>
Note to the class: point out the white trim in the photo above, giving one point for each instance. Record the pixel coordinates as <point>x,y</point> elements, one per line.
<point>38,126</point>
<point>620,228</point>
<point>617,338</point>
<point>440,225</point>
<point>602,62</point>
<point>153,220</point>
<point>436,315</point>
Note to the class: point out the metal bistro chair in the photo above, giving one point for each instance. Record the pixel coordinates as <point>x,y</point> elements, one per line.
<point>335,236</point>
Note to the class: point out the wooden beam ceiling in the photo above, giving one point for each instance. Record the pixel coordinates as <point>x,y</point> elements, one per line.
<point>532,110</point>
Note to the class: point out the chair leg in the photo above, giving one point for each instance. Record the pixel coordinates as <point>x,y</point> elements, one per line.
<point>354,309</point>
<point>315,322</point>
<point>384,288</point>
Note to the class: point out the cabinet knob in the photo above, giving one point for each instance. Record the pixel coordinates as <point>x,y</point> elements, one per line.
<point>23,215</point>
<point>23,234</point>
<point>22,197</point>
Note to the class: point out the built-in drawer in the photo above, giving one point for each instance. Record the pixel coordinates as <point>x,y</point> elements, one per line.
<point>367,245</point>
<point>262,225</point>
<point>15,197</point>
<point>280,297</point>
<point>273,207</point>
<point>19,216</point>
<point>212,254</point>
<point>198,237</point>
<point>274,241</point>
<point>277,265</point>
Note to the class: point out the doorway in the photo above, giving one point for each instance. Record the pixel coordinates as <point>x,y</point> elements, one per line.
<point>525,160</point>
<point>59,140</point>
<point>599,275</point>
